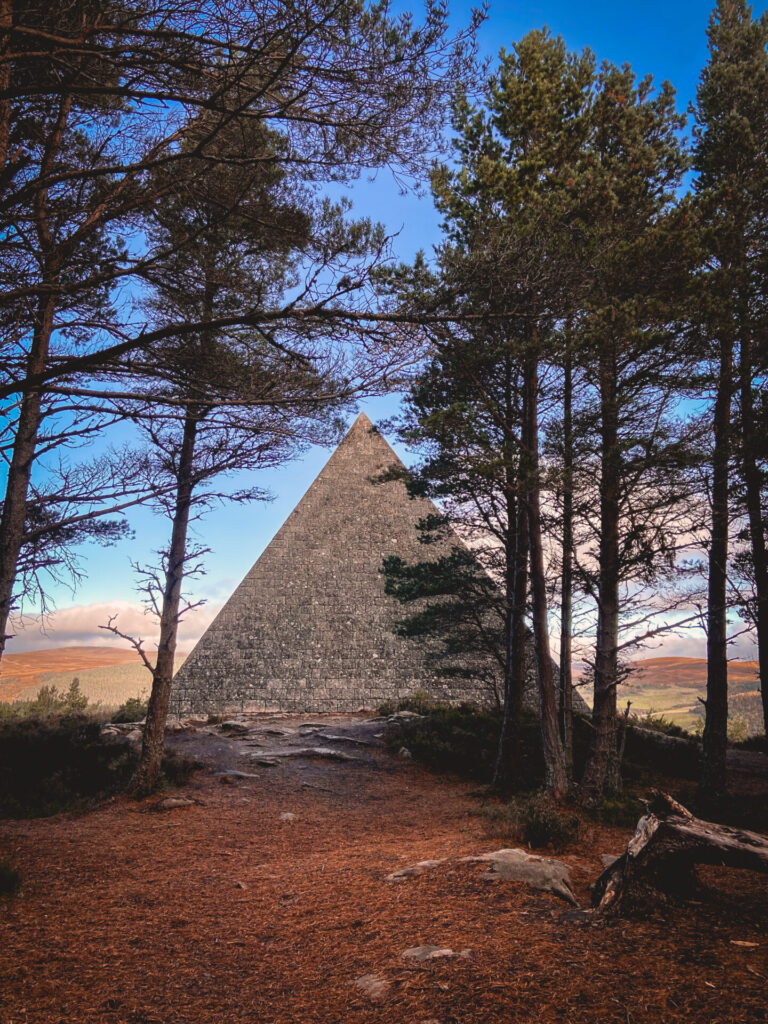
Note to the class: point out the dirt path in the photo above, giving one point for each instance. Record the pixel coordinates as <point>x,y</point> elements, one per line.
<point>225,911</point>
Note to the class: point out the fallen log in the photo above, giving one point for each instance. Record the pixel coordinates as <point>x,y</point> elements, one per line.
<point>667,843</point>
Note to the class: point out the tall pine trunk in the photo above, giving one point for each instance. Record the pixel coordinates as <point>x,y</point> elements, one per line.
<point>151,758</point>
<point>716,711</point>
<point>566,580</point>
<point>555,777</point>
<point>602,770</point>
<point>13,520</point>
<point>515,650</point>
<point>755,515</point>
<point>516,588</point>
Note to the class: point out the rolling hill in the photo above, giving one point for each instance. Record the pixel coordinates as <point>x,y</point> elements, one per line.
<point>673,686</point>
<point>668,686</point>
<point>107,674</point>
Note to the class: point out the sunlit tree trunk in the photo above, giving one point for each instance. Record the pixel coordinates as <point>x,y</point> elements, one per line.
<point>555,778</point>
<point>566,582</point>
<point>602,769</point>
<point>157,714</point>
<point>716,711</point>
<point>755,515</point>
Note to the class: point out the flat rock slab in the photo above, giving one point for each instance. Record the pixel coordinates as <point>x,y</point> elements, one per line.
<point>509,865</point>
<point>542,873</point>
<point>327,738</point>
<point>415,869</point>
<point>235,728</point>
<point>375,986</point>
<point>323,753</point>
<point>232,773</point>
<point>418,954</point>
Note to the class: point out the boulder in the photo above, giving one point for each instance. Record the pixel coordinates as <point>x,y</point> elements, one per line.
<point>542,873</point>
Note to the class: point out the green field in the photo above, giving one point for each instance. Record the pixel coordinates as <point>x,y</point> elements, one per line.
<point>679,704</point>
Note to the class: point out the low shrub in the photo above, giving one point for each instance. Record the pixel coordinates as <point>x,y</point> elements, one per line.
<point>50,764</point>
<point>178,767</point>
<point>668,753</point>
<point>134,710</point>
<point>456,739</point>
<point>622,810</point>
<point>464,740</point>
<point>533,819</point>
<point>10,879</point>
<point>542,823</point>
<point>658,723</point>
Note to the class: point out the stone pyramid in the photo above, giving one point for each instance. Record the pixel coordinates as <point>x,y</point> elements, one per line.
<point>310,626</point>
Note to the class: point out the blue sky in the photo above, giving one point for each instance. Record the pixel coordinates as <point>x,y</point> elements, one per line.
<point>666,40</point>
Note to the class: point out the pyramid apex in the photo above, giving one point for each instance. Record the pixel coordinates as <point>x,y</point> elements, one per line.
<point>362,421</point>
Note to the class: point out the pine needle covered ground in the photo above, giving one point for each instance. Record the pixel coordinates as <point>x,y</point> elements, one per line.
<point>224,911</point>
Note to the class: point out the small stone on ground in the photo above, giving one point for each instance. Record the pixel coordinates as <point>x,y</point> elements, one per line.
<point>171,802</point>
<point>374,986</point>
<point>418,954</point>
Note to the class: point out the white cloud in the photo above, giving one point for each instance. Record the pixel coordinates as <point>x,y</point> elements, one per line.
<point>78,626</point>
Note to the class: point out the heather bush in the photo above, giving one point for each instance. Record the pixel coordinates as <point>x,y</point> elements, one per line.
<point>49,764</point>
<point>10,879</point>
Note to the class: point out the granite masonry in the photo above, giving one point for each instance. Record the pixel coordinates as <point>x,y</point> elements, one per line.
<point>310,626</point>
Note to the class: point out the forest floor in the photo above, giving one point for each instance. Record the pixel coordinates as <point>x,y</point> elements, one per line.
<point>224,911</point>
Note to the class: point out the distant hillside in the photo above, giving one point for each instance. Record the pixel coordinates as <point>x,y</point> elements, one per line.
<point>657,672</point>
<point>107,674</point>
<point>673,686</point>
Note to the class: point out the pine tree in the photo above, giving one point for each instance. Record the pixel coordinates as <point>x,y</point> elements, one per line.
<point>731,157</point>
<point>506,263</point>
<point>635,247</point>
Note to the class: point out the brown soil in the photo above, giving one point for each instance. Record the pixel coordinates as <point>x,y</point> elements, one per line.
<point>129,916</point>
